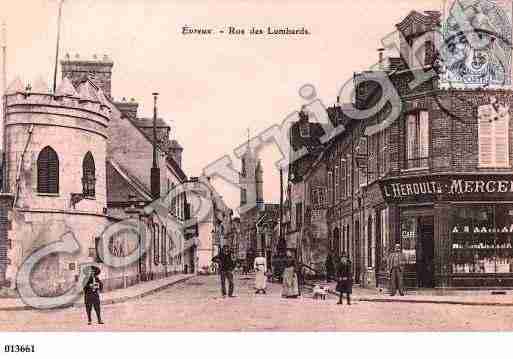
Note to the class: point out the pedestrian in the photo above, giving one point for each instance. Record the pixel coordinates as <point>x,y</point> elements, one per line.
<point>290,287</point>
<point>344,279</point>
<point>92,291</point>
<point>225,266</point>
<point>330,268</point>
<point>260,266</point>
<point>396,267</point>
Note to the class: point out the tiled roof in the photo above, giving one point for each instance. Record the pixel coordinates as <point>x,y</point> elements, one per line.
<point>121,185</point>
<point>88,91</point>
<point>15,86</point>
<point>310,142</point>
<point>66,88</point>
<point>148,122</point>
<point>163,145</point>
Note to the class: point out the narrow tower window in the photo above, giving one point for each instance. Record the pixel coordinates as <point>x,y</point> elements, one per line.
<point>88,175</point>
<point>48,171</point>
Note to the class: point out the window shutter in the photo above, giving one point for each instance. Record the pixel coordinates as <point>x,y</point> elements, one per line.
<point>410,137</point>
<point>48,171</point>
<point>485,134</point>
<point>424,134</point>
<point>502,139</point>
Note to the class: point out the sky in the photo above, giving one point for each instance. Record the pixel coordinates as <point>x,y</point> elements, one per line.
<point>212,88</point>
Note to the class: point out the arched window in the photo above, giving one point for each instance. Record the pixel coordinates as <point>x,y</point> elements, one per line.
<point>88,175</point>
<point>48,171</point>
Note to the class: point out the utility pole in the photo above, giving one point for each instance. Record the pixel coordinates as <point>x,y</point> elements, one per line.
<point>155,171</point>
<point>57,46</point>
<point>4,57</point>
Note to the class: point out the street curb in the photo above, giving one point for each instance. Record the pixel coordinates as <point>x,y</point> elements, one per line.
<point>105,302</point>
<point>426,301</point>
<point>423,301</point>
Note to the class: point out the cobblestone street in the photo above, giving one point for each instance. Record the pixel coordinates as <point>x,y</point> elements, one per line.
<point>196,305</point>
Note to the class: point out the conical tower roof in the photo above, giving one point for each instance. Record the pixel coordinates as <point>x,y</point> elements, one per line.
<point>102,98</point>
<point>15,86</point>
<point>87,91</point>
<point>66,88</point>
<point>40,86</point>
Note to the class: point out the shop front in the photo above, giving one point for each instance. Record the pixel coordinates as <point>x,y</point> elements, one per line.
<point>455,230</point>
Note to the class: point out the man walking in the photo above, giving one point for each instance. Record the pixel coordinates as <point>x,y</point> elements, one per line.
<point>225,268</point>
<point>92,291</point>
<point>396,262</point>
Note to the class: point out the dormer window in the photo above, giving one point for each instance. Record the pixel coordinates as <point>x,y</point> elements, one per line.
<point>304,130</point>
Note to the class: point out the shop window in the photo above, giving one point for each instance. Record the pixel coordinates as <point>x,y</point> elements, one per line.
<point>409,239</point>
<point>493,133</point>
<point>370,243</point>
<point>385,242</point>
<point>48,171</point>
<point>88,175</point>
<point>417,140</point>
<point>482,239</point>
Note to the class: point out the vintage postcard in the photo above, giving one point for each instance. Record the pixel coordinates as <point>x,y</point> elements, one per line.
<point>255,166</point>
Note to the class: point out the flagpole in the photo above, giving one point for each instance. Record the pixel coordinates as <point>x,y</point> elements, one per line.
<point>57,46</point>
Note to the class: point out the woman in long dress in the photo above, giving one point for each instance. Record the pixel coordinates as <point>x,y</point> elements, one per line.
<point>260,266</point>
<point>290,287</point>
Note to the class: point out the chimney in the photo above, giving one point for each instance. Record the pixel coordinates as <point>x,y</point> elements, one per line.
<point>155,170</point>
<point>128,108</point>
<point>380,58</point>
<point>175,150</point>
<point>99,71</point>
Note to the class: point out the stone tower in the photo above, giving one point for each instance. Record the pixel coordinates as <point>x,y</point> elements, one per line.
<point>259,182</point>
<point>248,192</point>
<point>56,147</point>
<point>99,71</point>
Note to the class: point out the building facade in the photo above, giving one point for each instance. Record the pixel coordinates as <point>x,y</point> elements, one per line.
<point>436,179</point>
<point>76,163</point>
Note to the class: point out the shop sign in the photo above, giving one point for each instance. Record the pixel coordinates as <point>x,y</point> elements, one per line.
<point>489,187</point>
